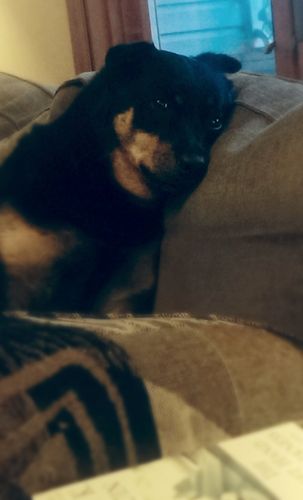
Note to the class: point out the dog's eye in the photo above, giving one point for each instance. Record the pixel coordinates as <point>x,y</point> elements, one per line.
<point>216,123</point>
<point>160,103</point>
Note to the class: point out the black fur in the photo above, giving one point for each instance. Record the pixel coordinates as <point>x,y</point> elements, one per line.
<point>61,175</point>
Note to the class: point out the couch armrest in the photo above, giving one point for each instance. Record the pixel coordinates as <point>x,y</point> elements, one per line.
<point>234,249</point>
<point>20,102</point>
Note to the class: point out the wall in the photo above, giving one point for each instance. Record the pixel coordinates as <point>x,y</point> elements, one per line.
<point>35,40</point>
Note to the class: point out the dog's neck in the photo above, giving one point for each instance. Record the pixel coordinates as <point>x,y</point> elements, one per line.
<point>45,180</point>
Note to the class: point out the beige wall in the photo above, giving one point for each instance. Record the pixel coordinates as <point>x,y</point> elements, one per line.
<point>35,40</point>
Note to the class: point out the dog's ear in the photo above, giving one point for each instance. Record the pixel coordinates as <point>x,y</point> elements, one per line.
<point>129,56</point>
<point>220,62</point>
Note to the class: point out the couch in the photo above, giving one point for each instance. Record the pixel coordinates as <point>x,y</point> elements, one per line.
<point>219,352</point>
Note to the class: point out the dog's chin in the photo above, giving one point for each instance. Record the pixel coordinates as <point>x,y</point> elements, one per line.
<point>163,184</point>
<point>153,187</point>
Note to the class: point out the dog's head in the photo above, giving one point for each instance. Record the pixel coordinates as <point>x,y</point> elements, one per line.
<point>166,111</point>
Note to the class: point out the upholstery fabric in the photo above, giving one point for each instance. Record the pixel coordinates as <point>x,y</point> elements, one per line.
<point>82,396</point>
<point>20,102</point>
<point>234,248</point>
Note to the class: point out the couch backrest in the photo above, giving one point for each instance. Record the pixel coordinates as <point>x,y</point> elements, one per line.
<point>235,247</point>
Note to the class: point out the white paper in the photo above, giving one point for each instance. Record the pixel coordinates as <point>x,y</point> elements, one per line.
<point>274,457</point>
<point>264,465</point>
<point>154,481</point>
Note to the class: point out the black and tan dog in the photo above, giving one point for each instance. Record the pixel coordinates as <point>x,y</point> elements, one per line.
<point>77,192</point>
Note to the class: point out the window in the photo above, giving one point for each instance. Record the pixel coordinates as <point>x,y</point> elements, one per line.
<point>242,28</point>
<point>248,29</point>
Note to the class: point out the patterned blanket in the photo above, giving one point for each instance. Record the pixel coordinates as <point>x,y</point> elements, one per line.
<point>82,396</point>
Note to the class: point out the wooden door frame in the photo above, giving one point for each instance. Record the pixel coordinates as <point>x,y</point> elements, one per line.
<point>287,19</point>
<point>298,18</point>
<point>96,25</point>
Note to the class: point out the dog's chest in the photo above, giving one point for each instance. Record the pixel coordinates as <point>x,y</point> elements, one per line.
<point>28,257</point>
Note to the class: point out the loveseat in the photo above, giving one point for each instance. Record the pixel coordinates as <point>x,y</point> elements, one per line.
<point>220,351</point>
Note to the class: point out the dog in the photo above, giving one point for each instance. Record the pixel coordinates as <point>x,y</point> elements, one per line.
<point>78,193</point>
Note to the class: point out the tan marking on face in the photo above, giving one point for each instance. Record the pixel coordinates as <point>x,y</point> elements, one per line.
<point>28,254</point>
<point>147,149</point>
<point>138,148</point>
<point>128,175</point>
<point>123,124</point>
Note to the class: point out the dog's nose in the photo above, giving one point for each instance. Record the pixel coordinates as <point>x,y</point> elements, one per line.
<point>194,161</point>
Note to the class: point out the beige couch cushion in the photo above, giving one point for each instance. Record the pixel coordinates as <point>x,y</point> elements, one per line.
<point>20,102</point>
<point>235,248</point>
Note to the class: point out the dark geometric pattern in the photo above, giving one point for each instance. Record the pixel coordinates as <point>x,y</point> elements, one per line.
<point>84,404</point>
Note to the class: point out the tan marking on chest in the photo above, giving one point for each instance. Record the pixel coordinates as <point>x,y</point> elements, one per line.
<point>28,254</point>
<point>138,148</point>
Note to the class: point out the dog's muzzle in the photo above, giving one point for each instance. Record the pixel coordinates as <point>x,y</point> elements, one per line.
<point>189,171</point>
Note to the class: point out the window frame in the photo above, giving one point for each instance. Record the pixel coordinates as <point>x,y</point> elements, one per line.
<point>96,25</point>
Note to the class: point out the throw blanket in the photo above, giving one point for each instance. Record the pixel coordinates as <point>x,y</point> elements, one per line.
<point>84,396</point>
<point>68,406</point>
